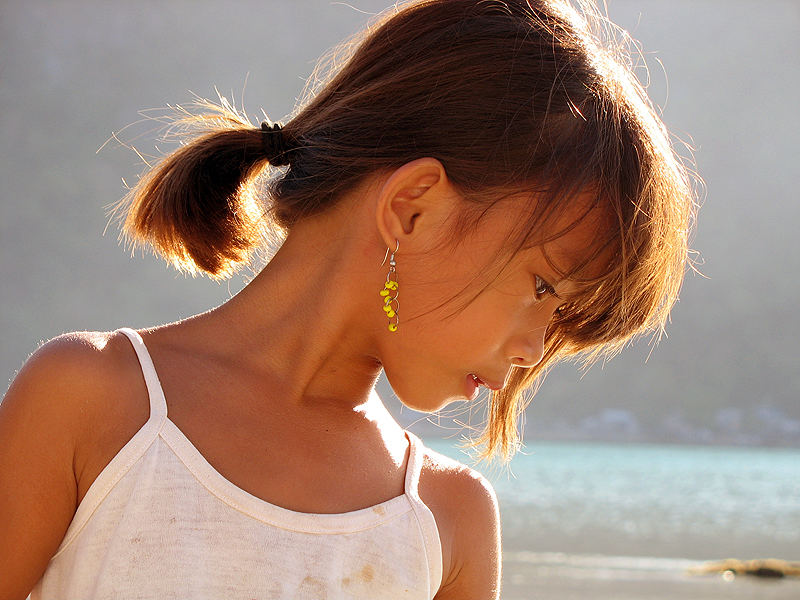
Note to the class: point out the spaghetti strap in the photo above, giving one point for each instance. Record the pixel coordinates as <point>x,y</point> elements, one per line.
<point>425,518</point>
<point>121,464</point>
<point>414,465</point>
<point>158,403</point>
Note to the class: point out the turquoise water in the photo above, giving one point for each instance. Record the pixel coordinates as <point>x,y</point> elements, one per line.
<point>684,502</point>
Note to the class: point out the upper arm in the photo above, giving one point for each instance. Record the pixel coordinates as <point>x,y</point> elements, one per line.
<point>41,417</point>
<point>476,551</point>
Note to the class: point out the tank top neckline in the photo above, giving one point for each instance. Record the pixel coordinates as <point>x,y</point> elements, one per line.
<point>161,425</point>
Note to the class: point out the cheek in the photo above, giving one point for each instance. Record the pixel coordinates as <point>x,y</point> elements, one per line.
<point>491,318</point>
<point>438,327</point>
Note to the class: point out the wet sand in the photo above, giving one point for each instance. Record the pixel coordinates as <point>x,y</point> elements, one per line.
<point>545,577</point>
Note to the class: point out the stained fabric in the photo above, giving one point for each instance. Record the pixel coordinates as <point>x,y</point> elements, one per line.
<point>161,522</point>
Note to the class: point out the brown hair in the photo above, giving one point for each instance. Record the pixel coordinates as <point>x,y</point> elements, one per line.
<point>509,95</point>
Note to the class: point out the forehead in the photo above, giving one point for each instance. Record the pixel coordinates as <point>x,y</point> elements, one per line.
<point>567,245</point>
<point>568,233</point>
<point>577,249</point>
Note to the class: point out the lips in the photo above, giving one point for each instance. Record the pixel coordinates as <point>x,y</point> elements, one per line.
<point>488,384</point>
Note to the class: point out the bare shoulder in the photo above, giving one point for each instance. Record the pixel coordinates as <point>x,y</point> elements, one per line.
<point>465,506</point>
<point>71,364</point>
<point>78,365</point>
<point>49,424</point>
<point>75,380</point>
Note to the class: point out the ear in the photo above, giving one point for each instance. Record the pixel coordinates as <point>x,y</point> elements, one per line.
<point>413,202</point>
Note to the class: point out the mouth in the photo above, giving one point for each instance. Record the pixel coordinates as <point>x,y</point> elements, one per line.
<point>490,385</point>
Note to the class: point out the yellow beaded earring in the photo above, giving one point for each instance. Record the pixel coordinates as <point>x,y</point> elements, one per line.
<point>389,288</point>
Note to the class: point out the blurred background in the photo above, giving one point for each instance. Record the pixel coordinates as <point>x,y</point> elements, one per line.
<point>632,471</point>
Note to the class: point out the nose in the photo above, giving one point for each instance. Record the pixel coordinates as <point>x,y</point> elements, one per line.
<point>527,349</point>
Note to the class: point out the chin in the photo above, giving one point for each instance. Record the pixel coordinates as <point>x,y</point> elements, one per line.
<point>426,401</point>
<point>427,405</point>
<point>417,404</point>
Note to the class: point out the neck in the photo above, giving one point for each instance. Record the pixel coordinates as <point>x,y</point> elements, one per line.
<point>305,321</point>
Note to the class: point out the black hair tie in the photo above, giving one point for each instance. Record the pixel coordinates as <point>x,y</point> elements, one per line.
<point>274,144</point>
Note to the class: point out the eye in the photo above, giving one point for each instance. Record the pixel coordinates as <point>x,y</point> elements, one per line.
<point>543,288</point>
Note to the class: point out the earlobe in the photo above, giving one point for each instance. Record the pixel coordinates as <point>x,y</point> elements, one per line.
<point>411,193</point>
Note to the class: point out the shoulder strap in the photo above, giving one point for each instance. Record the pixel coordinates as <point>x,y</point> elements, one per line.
<point>158,404</point>
<point>425,518</point>
<point>414,466</point>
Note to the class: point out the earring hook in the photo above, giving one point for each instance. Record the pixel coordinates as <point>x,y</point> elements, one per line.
<point>393,253</point>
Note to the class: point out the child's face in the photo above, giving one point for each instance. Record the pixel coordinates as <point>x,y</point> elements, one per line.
<point>504,326</point>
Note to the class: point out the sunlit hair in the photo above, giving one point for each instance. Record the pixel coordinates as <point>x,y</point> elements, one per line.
<point>509,95</point>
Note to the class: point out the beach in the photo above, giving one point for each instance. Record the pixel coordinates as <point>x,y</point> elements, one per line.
<point>627,522</point>
<point>554,576</point>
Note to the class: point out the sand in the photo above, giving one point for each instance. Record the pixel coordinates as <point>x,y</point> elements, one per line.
<point>525,581</point>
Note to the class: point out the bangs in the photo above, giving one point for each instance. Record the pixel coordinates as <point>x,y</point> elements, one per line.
<point>629,277</point>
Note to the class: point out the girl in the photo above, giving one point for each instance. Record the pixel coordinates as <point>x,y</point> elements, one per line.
<point>481,190</point>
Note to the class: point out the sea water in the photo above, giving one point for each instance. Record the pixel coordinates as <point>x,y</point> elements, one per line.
<point>580,517</point>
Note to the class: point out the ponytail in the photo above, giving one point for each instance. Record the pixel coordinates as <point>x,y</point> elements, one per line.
<point>198,207</point>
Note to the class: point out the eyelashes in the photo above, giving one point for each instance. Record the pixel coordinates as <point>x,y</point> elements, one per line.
<point>543,288</point>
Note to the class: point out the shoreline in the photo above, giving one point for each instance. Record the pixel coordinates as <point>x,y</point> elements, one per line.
<point>443,434</point>
<point>697,549</point>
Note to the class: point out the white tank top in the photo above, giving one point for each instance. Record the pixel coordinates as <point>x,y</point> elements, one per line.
<point>160,522</point>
